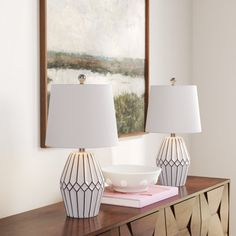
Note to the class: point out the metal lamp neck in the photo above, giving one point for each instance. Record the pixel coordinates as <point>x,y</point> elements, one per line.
<point>172,81</point>
<point>82,78</point>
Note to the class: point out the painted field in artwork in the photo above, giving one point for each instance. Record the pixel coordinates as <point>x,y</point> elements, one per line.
<point>105,40</point>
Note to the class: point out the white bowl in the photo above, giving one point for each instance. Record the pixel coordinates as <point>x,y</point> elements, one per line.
<point>130,178</point>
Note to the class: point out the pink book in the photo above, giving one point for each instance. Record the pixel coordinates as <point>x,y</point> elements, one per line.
<point>155,193</point>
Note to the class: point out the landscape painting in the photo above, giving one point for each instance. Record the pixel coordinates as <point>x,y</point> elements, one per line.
<point>105,40</point>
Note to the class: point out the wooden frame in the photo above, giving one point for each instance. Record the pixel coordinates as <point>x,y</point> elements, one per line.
<point>44,68</point>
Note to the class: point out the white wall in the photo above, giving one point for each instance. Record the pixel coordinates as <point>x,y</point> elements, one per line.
<point>29,175</point>
<point>214,68</point>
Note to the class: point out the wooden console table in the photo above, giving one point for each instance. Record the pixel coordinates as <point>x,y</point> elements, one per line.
<point>201,208</point>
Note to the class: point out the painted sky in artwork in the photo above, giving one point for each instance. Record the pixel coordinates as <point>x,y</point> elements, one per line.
<point>110,28</point>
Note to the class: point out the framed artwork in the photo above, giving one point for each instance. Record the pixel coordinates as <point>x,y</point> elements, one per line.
<point>108,41</point>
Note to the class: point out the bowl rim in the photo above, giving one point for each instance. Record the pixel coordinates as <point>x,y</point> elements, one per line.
<point>117,172</point>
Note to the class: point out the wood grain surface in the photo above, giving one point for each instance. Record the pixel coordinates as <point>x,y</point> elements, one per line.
<point>181,214</point>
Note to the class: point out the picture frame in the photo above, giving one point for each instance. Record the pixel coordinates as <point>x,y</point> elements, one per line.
<point>123,60</point>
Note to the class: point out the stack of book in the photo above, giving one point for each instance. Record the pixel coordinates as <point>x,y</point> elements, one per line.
<point>155,193</point>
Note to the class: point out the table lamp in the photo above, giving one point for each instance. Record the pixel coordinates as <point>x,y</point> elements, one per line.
<point>81,116</point>
<point>173,109</point>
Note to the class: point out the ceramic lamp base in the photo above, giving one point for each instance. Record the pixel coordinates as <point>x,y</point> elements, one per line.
<point>173,158</point>
<point>82,185</point>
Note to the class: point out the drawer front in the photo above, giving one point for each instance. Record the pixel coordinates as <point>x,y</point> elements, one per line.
<point>182,219</point>
<point>144,226</point>
<point>215,212</point>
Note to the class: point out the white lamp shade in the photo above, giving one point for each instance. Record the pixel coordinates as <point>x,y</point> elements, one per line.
<point>173,109</point>
<point>81,116</point>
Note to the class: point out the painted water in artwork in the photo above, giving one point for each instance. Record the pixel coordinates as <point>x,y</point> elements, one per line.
<point>105,40</point>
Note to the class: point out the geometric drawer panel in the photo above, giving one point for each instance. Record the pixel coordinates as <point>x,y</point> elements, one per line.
<point>182,219</point>
<point>215,208</point>
<point>144,226</point>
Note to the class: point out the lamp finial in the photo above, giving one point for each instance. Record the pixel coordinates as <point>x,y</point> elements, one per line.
<point>82,78</point>
<point>173,81</point>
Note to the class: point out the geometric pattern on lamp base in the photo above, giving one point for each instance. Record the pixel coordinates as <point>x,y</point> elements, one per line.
<point>82,185</point>
<point>173,158</point>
